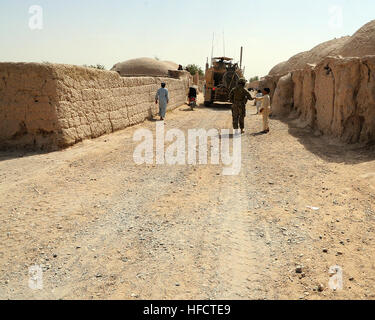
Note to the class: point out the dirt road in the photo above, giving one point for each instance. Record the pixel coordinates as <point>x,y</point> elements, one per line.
<point>102,227</point>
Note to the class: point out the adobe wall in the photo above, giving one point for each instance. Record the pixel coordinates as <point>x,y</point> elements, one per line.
<point>336,97</point>
<point>48,106</point>
<point>28,103</point>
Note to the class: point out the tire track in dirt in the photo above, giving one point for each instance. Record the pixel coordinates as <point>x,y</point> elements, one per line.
<point>105,228</point>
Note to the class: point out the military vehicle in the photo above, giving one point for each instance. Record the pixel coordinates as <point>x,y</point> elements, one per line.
<point>221,78</point>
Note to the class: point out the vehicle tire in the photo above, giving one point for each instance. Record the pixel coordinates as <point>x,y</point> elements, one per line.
<point>207,103</point>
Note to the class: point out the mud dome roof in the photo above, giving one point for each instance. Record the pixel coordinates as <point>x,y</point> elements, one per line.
<point>300,60</point>
<point>144,67</point>
<point>362,43</point>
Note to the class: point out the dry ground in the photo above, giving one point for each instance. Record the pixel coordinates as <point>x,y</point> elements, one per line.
<point>104,228</point>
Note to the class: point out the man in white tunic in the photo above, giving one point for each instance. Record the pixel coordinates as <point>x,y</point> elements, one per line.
<point>265,109</point>
<point>162,96</point>
<point>259,103</point>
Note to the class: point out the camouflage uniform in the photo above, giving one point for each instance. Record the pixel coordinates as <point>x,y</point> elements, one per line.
<point>239,96</point>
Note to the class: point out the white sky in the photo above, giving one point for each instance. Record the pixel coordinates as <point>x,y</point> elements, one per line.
<point>107,32</point>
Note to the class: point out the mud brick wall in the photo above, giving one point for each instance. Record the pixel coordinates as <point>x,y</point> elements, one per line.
<point>48,106</point>
<point>336,97</point>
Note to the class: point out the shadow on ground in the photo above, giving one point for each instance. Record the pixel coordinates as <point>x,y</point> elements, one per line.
<point>217,106</point>
<point>328,148</point>
<point>15,154</point>
<point>214,107</point>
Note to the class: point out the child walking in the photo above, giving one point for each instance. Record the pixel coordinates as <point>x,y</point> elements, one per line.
<point>265,110</point>
<point>259,103</point>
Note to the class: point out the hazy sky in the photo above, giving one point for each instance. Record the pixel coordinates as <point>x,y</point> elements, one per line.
<point>107,32</point>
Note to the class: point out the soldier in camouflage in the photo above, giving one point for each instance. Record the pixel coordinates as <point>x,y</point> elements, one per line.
<point>239,96</point>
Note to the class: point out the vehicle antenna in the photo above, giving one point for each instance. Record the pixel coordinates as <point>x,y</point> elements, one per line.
<point>241,57</point>
<point>212,51</point>
<point>224,42</point>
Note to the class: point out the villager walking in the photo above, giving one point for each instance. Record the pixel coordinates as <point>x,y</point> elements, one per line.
<point>258,103</point>
<point>239,97</point>
<point>162,96</point>
<point>265,109</point>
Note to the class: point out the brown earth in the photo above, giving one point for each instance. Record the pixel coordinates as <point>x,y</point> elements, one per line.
<point>334,98</point>
<point>103,227</point>
<point>300,60</point>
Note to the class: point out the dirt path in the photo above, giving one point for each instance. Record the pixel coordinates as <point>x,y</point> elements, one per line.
<point>103,227</point>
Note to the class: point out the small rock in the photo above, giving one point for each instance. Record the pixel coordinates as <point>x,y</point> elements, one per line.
<point>351,279</point>
<point>317,133</point>
<point>325,250</point>
<point>313,208</point>
<point>299,269</point>
<point>320,288</point>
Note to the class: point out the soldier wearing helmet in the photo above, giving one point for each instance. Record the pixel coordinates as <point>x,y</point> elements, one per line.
<point>242,82</point>
<point>239,97</point>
